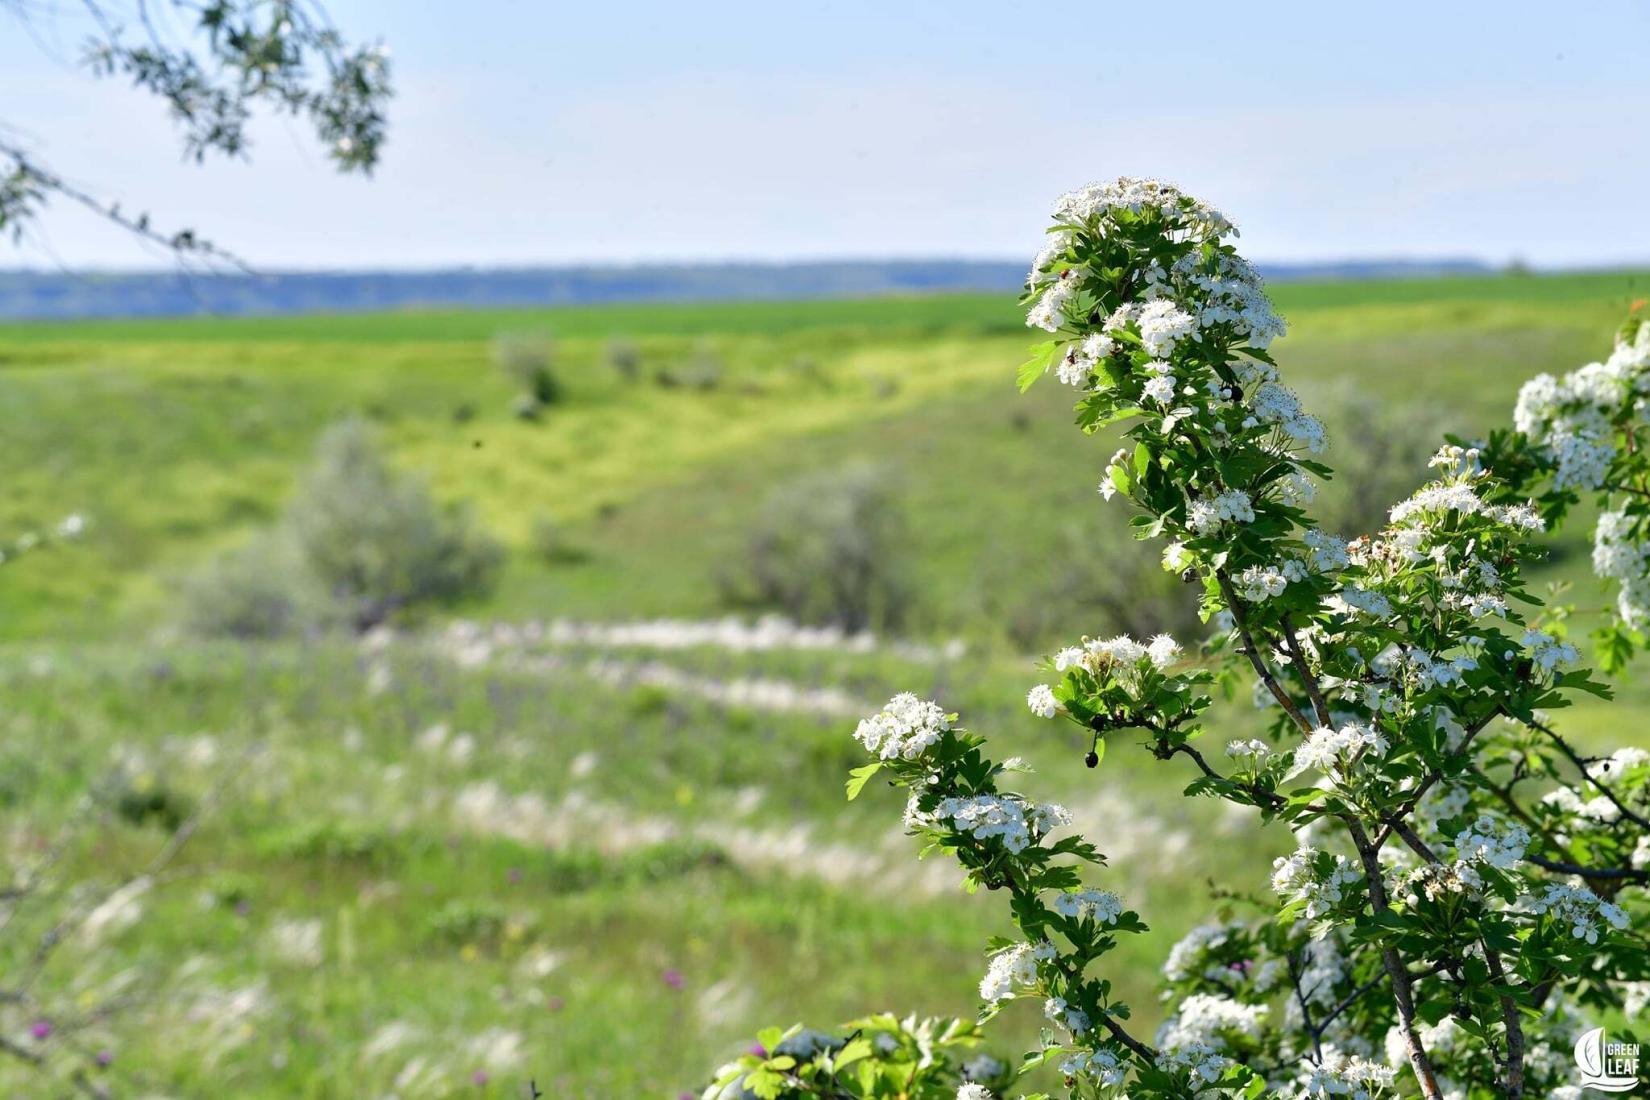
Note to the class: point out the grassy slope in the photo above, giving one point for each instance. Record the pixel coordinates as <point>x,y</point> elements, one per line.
<point>178,436</point>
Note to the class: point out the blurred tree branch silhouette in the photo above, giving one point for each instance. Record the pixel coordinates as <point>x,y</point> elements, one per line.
<point>212,64</point>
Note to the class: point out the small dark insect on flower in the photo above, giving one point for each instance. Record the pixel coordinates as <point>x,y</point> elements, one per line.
<point>1234,393</point>
<point>1091,759</point>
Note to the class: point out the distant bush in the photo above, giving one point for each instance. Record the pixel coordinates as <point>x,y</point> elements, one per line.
<point>1097,581</point>
<point>701,372</point>
<point>528,360</point>
<point>375,540</point>
<point>257,590</point>
<point>1372,445</point>
<point>625,358</point>
<point>358,543</point>
<point>550,544</point>
<point>827,549</point>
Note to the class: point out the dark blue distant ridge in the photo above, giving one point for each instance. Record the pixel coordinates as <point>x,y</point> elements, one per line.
<point>69,295</point>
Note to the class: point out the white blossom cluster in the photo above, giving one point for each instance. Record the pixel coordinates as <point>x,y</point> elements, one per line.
<point>1459,496</point>
<point>973,1090</point>
<point>1102,905</point>
<point>1573,418</point>
<point>1139,195</point>
<point>1619,555</point>
<point>1258,583</point>
<point>1014,821</point>
<point>1502,845</point>
<point>1188,957</point>
<point>1548,652</point>
<point>1121,656</point>
<point>1342,1074</point>
<point>1276,404</point>
<point>1203,1062</point>
<point>1252,749</point>
<point>1013,968</point>
<point>1576,907</point>
<point>1599,808</point>
<point>1073,1019</point>
<point>1331,751</point>
<point>1041,702</point>
<point>1195,293</point>
<point>1437,881</point>
<point>1231,506</point>
<point>1296,878</point>
<point>1325,552</point>
<point>906,728</point>
<point>1105,1065</point>
<point>1206,1020</point>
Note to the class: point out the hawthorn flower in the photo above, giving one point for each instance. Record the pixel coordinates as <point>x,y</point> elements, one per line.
<point>1163,325</point>
<point>1296,878</point>
<point>1186,957</point>
<point>1248,750</point>
<point>1327,750</point>
<point>1548,652</point>
<point>904,729</point>
<point>1042,702</point>
<point>1014,821</point>
<point>1202,1061</point>
<point>1013,968</point>
<point>971,1090</point>
<point>1160,389</point>
<point>1578,908</point>
<point>1230,506</point>
<point>1341,1074</point>
<point>1205,1020</point>
<point>1500,845</point>
<point>1103,905</point>
<point>1325,552</point>
<point>1104,1065</point>
<point>1074,1020</point>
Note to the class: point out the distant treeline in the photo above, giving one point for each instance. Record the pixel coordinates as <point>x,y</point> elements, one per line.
<point>29,294</point>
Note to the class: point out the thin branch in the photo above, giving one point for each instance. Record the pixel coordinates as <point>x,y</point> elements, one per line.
<point>1297,659</point>
<point>183,243</point>
<point>1601,874</point>
<point>1581,765</point>
<point>1403,991</point>
<point>1256,660</point>
<point>1514,1025</point>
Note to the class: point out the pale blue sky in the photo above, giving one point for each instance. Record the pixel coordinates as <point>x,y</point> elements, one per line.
<point>524,133</point>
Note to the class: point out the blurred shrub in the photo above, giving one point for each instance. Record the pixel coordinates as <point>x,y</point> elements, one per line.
<point>1096,581</point>
<point>702,372</point>
<point>550,544</point>
<point>142,799</point>
<point>1379,451</point>
<point>358,543</point>
<point>258,590</point>
<point>375,540</point>
<point>827,549</point>
<point>528,360</point>
<point>625,358</point>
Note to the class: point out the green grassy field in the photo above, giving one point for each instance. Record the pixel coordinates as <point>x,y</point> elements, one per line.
<point>439,869</point>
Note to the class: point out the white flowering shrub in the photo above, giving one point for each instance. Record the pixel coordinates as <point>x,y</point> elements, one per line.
<point>1579,439</point>
<point>1466,890</point>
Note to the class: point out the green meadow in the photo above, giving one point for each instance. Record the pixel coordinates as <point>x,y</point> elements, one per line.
<point>447,860</point>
